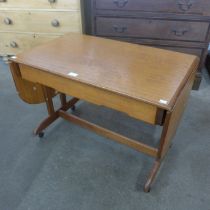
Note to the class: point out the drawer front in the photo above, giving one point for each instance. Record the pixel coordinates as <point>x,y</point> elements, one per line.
<point>12,43</point>
<point>41,4</point>
<point>40,22</point>
<point>169,6</point>
<point>188,47</point>
<point>193,51</point>
<point>148,28</point>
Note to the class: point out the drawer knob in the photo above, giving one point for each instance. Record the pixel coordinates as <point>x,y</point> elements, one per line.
<point>7,21</point>
<point>55,23</point>
<point>120,29</point>
<point>52,1</point>
<point>13,44</point>
<point>179,32</point>
<point>184,5</point>
<point>120,3</point>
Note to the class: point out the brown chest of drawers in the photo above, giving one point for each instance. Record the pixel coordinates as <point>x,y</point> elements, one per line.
<point>179,25</point>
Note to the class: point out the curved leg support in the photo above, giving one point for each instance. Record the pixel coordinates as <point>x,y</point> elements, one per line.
<point>45,123</point>
<point>152,176</point>
<point>54,115</point>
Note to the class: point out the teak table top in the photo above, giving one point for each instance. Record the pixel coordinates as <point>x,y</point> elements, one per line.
<point>148,74</point>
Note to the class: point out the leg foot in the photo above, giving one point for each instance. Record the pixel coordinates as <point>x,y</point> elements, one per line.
<point>152,175</point>
<point>45,123</point>
<point>54,115</point>
<point>41,135</point>
<point>147,189</point>
<point>73,108</point>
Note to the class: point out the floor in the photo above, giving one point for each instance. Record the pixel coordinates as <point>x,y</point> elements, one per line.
<point>74,169</point>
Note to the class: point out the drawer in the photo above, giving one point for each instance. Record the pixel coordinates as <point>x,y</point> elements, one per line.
<point>183,47</point>
<point>193,51</point>
<point>41,4</point>
<point>40,22</point>
<point>166,6</point>
<point>12,43</point>
<point>150,28</point>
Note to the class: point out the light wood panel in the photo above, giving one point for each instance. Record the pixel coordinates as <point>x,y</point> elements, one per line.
<point>173,118</point>
<point>99,96</point>
<point>29,92</point>
<point>102,63</point>
<point>41,4</point>
<point>110,134</point>
<point>13,43</point>
<point>22,20</point>
<point>41,22</point>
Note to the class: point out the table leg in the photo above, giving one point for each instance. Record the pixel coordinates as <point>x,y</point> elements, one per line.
<point>49,101</point>
<point>169,129</point>
<point>53,115</point>
<point>170,126</point>
<point>152,175</point>
<point>63,99</point>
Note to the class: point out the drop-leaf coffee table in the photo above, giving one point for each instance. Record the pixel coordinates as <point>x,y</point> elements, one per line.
<point>146,83</point>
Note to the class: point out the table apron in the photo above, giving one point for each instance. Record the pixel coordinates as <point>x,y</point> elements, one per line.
<point>137,109</point>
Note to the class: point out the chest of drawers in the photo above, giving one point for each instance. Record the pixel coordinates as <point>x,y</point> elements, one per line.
<point>179,25</point>
<point>25,24</point>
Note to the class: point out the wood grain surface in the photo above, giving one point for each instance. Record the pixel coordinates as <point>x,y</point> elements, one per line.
<point>23,41</point>
<point>176,24</point>
<point>98,96</point>
<point>41,4</point>
<point>173,118</point>
<point>151,75</point>
<point>41,22</point>
<point>29,92</point>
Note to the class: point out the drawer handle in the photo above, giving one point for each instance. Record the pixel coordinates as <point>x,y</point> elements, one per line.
<point>179,32</point>
<point>3,0</point>
<point>184,5</point>
<point>120,3</point>
<point>13,44</point>
<point>55,23</point>
<point>7,21</point>
<point>52,1</point>
<point>120,29</point>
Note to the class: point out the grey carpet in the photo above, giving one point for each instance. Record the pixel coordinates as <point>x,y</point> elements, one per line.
<point>74,169</point>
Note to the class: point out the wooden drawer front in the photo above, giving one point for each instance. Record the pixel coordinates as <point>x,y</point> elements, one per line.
<point>40,22</point>
<point>41,4</point>
<point>193,51</point>
<point>169,6</point>
<point>156,29</point>
<point>15,43</point>
<point>188,47</point>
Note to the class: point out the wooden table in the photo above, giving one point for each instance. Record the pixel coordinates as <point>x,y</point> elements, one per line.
<point>146,83</point>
